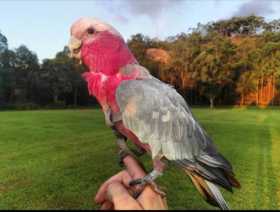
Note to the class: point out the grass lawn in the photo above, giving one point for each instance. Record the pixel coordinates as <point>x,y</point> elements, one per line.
<point>58,159</point>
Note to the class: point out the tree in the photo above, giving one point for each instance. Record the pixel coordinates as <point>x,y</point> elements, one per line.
<point>61,77</point>
<point>271,66</point>
<point>3,48</point>
<point>219,62</point>
<point>25,64</point>
<point>74,72</point>
<point>273,26</point>
<point>3,43</point>
<point>139,44</point>
<point>247,25</point>
<point>246,84</point>
<point>55,76</point>
<point>7,65</point>
<point>212,67</point>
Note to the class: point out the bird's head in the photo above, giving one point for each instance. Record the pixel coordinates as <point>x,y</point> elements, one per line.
<point>99,46</point>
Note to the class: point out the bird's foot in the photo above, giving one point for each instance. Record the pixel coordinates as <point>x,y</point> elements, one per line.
<point>149,180</point>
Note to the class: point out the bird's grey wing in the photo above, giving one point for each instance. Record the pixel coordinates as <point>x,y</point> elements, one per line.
<point>160,117</point>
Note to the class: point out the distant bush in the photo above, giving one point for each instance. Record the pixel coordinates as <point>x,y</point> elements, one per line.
<point>21,106</point>
<point>27,106</point>
<point>7,107</point>
<point>33,106</point>
<point>57,105</point>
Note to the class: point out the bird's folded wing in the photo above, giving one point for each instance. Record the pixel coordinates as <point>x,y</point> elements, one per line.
<point>160,117</point>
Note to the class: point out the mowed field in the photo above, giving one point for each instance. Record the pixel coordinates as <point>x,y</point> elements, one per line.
<point>57,159</point>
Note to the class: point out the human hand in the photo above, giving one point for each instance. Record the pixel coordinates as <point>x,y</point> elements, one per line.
<point>116,193</point>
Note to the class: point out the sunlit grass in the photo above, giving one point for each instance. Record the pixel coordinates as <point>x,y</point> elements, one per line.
<point>58,159</point>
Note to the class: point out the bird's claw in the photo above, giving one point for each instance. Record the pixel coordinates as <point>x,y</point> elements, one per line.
<point>147,180</point>
<point>139,181</point>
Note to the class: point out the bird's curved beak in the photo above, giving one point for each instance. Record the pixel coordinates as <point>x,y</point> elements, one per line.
<point>75,48</point>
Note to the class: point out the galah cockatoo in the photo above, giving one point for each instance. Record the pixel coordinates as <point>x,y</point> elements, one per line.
<point>150,113</point>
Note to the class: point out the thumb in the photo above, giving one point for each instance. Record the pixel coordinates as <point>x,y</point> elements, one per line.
<point>121,198</point>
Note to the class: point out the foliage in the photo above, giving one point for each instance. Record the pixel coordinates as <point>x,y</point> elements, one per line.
<point>24,81</point>
<point>224,62</point>
<point>3,43</point>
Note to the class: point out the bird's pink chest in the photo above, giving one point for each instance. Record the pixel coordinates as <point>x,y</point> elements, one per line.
<point>111,85</point>
<point>104,87</point>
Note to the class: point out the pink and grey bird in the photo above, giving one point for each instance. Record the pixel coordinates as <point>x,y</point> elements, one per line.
<point>150,113</point>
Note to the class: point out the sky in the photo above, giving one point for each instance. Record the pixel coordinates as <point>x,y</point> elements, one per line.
<point>43,25</point>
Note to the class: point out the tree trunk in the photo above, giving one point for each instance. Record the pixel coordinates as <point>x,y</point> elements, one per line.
<point>261,94</point>
<point>268,93</point>
<point>242,99</point>
<point>273,90</point>
<point>75,97</point>
<point>11,96</point>
<point>211,102</point>
<point>55,98</point>
<point>257,94</point>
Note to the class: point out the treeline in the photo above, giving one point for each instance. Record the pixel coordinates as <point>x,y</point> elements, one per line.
<point>27,84</point>
<point>228,62</point>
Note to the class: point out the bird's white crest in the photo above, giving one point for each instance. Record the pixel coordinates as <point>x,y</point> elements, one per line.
<point>98,25</point>
<point>80,27</point>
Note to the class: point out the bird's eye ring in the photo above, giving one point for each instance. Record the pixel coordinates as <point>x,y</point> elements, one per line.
<point>90,31</point>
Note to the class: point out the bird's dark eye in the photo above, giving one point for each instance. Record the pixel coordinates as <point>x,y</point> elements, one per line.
<point>90,31</point>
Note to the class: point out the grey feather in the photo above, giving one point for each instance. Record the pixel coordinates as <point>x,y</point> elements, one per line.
<point>218,196</point>
<point>162,118</point>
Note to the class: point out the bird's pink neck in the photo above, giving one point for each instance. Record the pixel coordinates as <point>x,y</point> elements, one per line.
<point>106,53</point>
<point>104,56</point>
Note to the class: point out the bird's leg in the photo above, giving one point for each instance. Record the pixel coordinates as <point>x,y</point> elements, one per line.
<point>149,179</point>
<point>138,151</point>
<point>108,116</point>
<point>110,120</point>
<point>123,148</point>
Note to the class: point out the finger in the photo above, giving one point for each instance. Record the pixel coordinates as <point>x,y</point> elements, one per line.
<point>122,177</point>
<point>121,198</point>
<point>150,200</point>
<point>100,196</point>
<point>107,205</point>
<point>135,171</point>
<point>133,167</point>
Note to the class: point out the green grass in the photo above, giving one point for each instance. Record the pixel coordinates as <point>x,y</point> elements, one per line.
<point>58,159</point>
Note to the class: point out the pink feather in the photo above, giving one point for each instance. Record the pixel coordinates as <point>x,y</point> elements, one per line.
<point>105,55</point>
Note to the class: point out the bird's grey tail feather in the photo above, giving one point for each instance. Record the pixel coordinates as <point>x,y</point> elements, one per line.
<point>217,195</point>
<point>216,175</point>
<point>208,190</point>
